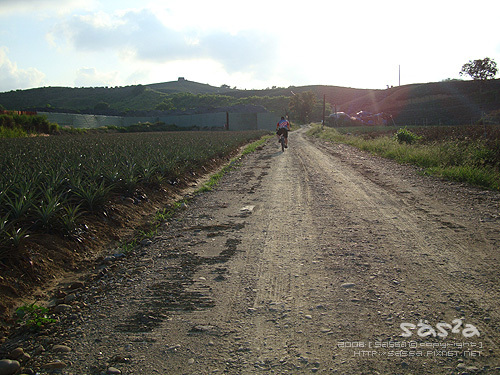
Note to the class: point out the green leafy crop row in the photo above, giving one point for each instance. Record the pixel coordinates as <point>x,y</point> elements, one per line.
<point>48,183</point>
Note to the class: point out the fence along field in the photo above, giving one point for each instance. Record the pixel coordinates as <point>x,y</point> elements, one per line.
<point>48,183</point>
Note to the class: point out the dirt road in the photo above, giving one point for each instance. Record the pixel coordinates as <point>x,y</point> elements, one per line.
<point>306,261</point>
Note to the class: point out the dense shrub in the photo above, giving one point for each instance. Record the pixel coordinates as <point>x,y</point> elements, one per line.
<point>15,125</point>
<point>403,135</point>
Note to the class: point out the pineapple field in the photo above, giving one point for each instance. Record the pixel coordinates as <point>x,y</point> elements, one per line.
<point>59,195</point>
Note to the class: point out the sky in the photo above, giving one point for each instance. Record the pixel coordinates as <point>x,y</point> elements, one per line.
<point>251,44</point>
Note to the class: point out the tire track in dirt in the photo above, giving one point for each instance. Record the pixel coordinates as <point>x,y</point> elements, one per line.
<point>447,239</point>
<point>434,260</point>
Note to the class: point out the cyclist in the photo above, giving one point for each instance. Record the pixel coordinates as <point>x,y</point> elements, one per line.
<point>282,127</point>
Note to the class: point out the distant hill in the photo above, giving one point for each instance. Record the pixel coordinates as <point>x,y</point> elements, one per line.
<point>448,102</point>
<point>183,85</point>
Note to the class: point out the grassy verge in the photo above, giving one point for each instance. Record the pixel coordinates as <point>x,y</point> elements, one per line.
<point>215,178</point>
<point>252,147</point>
<point>471,161</point>
<point>150,229</point>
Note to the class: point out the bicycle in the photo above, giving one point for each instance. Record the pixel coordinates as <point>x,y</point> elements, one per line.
<point>282,128</point>
<point>282,141</point>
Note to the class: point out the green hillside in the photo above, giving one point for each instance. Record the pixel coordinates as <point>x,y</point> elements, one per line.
<point>448,102</point>
<point>72,99</point>
<point>183,85</point>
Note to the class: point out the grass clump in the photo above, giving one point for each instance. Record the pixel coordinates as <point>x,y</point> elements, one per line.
<point>404,135</point>
<point>33,316</point>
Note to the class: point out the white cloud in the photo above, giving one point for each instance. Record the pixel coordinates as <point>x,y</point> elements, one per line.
<point>11,77</point>
<point>139,76</point>
<point>142,35</point>
<point>250,44</point>
<point>90,77</point>
<point>43,7</point>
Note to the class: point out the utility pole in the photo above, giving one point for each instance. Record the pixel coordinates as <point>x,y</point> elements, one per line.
<point>323,123</point>
<point>399,75</point>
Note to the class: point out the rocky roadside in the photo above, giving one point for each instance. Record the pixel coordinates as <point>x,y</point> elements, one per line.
<point>45,348</point>
<point>32,350</point>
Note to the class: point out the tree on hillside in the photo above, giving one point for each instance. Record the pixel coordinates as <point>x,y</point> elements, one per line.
<point>302,105</point>
<point>166,105</point>
<point>138,90</point>
<point>481,69</point>
<point>101,106</point>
